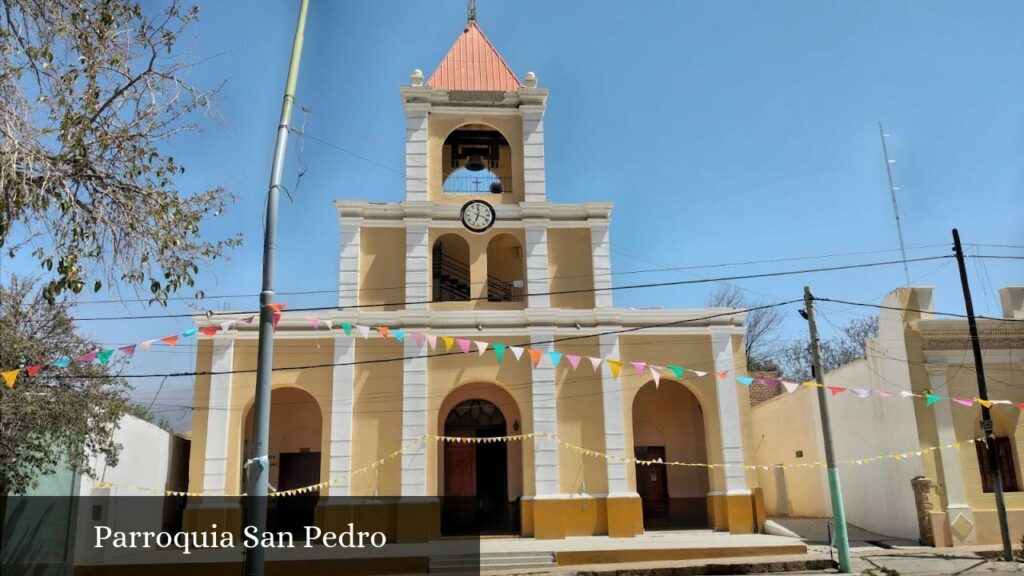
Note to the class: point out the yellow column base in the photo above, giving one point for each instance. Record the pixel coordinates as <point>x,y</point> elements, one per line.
<point>548,519</point>
<point>625,516</point>
<point>735,513</point>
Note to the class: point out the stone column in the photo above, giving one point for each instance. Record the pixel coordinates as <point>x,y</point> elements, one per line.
<point>533,152</point>
<point>624,509</point>
<point>416,151</point>
<point>602,264</point>
<point>341,414</point>
<point>733,506</point>
<point>218,417</point>
<point>414,419</point>
<point>537,281</point>
<point>348,275</point>
<point>417,255</point>
<point>958,513</point>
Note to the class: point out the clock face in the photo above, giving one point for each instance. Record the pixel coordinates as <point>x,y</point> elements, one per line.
<point>477,215</point>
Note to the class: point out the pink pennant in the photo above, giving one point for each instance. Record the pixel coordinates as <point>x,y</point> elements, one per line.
<point>883,393</point>
<point>432,341</point>
<point>315,322</point>
<point>516,351</point>
<point>639,366</point>
<point>596,362</point>
<point>249,319</point>
<point>86,358</point>
<point>964,401</point>
<point>463,345</point>
<point>656,375</point>
<point>574,360</point>
<point>145,345</point>
<point>419,338</point>
<point>769,382</point>
<point>481,347</point>
<point>127,350</point>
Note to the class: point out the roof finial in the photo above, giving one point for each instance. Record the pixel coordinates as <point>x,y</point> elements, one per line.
<point>471,11</point>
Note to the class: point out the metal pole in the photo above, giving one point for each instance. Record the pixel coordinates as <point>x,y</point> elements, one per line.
<point>986,416</point>
<point>258,468</point>
<point>895,206</point>
<point>838,513</point>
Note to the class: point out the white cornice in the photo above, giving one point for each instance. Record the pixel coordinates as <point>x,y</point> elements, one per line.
<point>393,214</point>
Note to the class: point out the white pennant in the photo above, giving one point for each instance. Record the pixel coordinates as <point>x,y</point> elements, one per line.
<point>226,325</point>
<point>481,347</point>
<point>145,345</point>
<point>790,386</point>
<point>906,394</point>
<point>517,351</point>
<point>699,373</point>
<point>432,341</point>
<point>595,361</point>
<point>656,375</point>
<point>364,331</point>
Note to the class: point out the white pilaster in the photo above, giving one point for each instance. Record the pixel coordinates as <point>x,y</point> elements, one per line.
<point>533,153</point>
<point>215,467</point>
<point>341,414</point>
<point>602,264</point>
<point>545,421</point>
<point>614,422</point>
<point>728,411</point>
<point>416,151</point>
<point>414,419</point>
<point>962,531</point>
<point>537,282</point>
<point>417,254</point>
<point>348,266</point>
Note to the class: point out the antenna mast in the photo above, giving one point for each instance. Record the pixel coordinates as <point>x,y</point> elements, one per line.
<point>895,207</point>
<point>471,11</point>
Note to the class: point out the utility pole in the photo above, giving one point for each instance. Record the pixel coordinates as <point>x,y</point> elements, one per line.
<point>986,415</point>
<point>838,513</point>
<point>895,207</point>
<point>258,468</point>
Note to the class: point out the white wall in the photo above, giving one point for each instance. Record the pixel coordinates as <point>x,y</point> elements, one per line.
<point>144,462</point>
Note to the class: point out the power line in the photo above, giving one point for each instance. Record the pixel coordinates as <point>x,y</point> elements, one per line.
<point>548,293</point>
<point>883,307</point>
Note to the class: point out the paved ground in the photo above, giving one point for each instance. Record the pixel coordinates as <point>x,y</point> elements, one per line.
<point>815,531</point>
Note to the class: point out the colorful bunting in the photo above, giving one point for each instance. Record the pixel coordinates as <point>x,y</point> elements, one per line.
<point>481,347</point>
<point>383,331</point>
<point>555,357</point>
<point>209,330</point>
<point>33,370</point>
<point>463,345</point>
<point>656,374</point>
<point>574,360</point>
<point>275,320</point>
<point>364,331</point>
<point>347,327</point>
<point>499,352</point>
<point>62,362</point>
<point>10,376</point>
<point>448,342</point>
<point>836,390</point>
<point>790,386</point>
<point>615,367</point>
<point>516,351</point>
<point>722,374</point>
<point>985,403</point>
<point>677,370</point>
<point>536,355</point>
<point>104,356</point>
<point>932,399</point>
<point>189,332</point>
<point>745,380</point>
<point>399,335</point>
<point>170,340</point>
<point>128,351</point>
<point>88,357</point>
<point>432,341</point>
<point>596,362</point>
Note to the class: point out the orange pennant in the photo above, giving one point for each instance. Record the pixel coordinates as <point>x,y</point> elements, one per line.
<point>535,355</point>
<point>723,374</point>
<point>277,306</point>
<point>383,331</point>
<point>170,340</point>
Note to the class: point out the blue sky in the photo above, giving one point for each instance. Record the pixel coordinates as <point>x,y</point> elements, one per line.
<point>722,131</point>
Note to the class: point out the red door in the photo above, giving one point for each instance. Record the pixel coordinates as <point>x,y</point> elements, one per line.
<point>652,484</point>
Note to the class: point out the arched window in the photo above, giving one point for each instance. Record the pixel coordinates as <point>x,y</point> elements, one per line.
<point>477,161</point>
<point>450,265</point>
<point>505,273</point>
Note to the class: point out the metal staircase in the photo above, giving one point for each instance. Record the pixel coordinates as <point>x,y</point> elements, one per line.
<point>451,282</point>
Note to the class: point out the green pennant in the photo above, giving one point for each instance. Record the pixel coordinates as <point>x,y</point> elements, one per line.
<point>347,327</point>
<point>677,370</point>
<point>931,399</point>
<point>499,351</point>
<point>104,355</point>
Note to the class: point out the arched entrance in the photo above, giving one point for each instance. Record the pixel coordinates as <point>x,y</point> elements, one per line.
<point>668,423</point>
<point>296,428</point>
<point>475,475</point>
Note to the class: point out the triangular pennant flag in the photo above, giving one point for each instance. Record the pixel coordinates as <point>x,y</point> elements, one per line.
<point>188,333</point>
<point>985,403</point>
<point>699,373</point>
<point>812,384</point>
<point>347,327</point>
<point>277,306</point>
<point>656,374</point>
<point>905,394</point>
<point>419,338</point>
<point>481,347</point>
<point>10,376</point>
<point>383,331</point>
<point>769,382</point>
<point>1005,402</point>
<point>127,350</point>
<point>516,351</point>
<point>364,331</point>
<point>326,324</point>
<point>104,355</point>
<point>249,319</point>
<point>861,392</point>
<point>536,355</point>
<point>275,320</point>
<point>723,374</point>
<point>227,325</point>
<point>639,367</point>
<point>615,366</point>
<point>463,345</point>
<point>399,335</point>
<point>431,341</point>
<point>62,362</point>
<point>931,399</point>
<point>677,370</point>
<point>314,322</point>
<point>499,352</point>
<point>209,330</point>
<point>745,380</point>
<point>448,342</point>
<point>145,345</point>
<point>596,362</point>
<point>89,357</point>
<point>790,386</point>
<point>33,370</point>
<point>574,360</point>
<point>883,393</point>
<point>836,390</point>
<point>555,357</point>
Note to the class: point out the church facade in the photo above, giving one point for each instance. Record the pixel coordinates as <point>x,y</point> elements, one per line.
<point>371,400</point>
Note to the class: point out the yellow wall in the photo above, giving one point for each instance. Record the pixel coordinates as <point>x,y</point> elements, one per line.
<point>438,129</point>
<point>200,415</point>
<point>382,267</point>
<point>377,417</point>
<point>570,267</point>
<point>580,404</point>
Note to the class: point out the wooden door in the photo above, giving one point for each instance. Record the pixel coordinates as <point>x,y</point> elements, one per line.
<point>297,470</point>
<point>460,503</point>
<point>651,483</point>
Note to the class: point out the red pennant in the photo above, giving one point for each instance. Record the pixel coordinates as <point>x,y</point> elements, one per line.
<point>836,390</point>
<point>536,355</point>
<point>277,318</point>
<point>170,340</point>
<point>33,370</point>
<point>209,330</point>
<point>723,374</point>
<point>383,331</point>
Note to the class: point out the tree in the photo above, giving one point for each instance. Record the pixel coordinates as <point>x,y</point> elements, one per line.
<point>760,325</point>
<point>849,345</point>
<point>61,415</point>
<point>90,93</point>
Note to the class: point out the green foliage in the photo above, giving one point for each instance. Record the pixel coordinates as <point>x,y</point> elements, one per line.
<point>90,94</point>
<point>61,414</point>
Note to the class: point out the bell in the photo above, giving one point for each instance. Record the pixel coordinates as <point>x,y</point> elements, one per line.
<point>475,163</point>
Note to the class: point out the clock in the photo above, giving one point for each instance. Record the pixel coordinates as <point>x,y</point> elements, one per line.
<point>477,216</point>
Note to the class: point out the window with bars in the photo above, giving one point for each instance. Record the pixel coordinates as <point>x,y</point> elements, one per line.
<point>1007,467</point>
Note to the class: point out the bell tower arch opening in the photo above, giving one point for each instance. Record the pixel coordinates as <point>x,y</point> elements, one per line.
<point>476,160</point>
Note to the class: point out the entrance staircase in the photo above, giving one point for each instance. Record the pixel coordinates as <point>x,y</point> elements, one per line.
<point>490,562</point>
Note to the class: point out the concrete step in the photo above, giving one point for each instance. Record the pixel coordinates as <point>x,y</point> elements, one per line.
<point>493,561</point>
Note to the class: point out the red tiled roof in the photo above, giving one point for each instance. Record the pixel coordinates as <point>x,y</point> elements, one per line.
<point>473,63</point>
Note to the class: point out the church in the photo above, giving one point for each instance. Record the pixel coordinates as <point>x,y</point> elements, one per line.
<point>475,367</point>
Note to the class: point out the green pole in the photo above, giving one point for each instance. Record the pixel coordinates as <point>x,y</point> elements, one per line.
<point>836,493</point>
<point>258,467</point>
